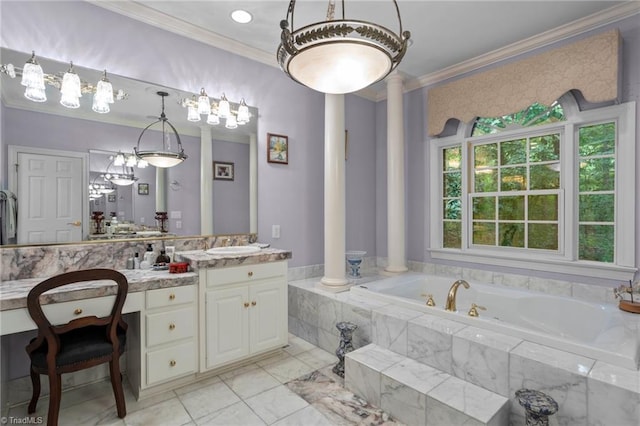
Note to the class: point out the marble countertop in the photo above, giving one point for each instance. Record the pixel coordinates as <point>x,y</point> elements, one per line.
<point>13,294</point>
<point>200,259</point>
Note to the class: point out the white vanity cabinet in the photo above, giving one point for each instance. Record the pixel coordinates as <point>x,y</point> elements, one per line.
<point>245,312</point>
<point>170,333</point>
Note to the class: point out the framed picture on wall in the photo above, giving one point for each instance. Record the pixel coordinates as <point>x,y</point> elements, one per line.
<point>277,148</point>
<point>222,170</point>
<point>111,198</point>
<point>143,189</point>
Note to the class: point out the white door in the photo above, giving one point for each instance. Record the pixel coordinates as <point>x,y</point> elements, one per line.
<point>49,191</point>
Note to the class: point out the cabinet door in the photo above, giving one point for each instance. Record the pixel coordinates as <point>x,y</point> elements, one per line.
<point>227,325</point>
<point>268,315</point>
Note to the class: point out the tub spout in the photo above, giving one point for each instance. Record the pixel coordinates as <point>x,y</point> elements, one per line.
<point>451,297</point>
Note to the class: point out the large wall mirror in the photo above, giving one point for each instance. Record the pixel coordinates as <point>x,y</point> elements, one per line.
<point>38,132</point>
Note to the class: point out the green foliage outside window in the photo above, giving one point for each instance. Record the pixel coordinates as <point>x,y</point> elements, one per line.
<point>516,185</point>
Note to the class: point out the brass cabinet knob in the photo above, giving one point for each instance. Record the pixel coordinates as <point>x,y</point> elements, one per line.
<point>254,303</point>
<point>246,304</point>
<point>250,274</point>
<point>78,311</point>
<point>473,312</point>
<point>172,296</point>
<point>172,326</point>
<point>172,363</point>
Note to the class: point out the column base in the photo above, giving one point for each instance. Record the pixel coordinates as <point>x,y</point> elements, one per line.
<point>394,270</point>
<point>334,285</point>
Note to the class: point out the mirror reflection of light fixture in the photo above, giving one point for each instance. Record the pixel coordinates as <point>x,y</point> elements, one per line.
<point>164,157</point>
<point>216,110</point>
<point>339,55</point>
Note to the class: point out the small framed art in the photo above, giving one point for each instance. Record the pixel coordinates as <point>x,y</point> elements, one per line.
<point>222,170</point>
<point>278,149</point>
<point>143,189</point>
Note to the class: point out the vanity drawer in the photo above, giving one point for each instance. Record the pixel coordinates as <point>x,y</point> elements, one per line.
<point>243,274</point>
<point>171,296</point>
<point>169,326</point>
<point>62,313</point>
<point>165,364</point>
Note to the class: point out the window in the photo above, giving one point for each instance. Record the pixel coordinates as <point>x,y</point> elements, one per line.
<point>542,188</point>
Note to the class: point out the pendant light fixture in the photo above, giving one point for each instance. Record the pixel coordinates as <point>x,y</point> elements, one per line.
<point>339,55</point>
<point>165,156</point>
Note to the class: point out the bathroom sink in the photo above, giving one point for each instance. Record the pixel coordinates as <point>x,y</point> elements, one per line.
<point>234,250</point>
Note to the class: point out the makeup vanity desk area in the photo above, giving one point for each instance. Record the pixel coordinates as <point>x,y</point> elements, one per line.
<point>167,339</point>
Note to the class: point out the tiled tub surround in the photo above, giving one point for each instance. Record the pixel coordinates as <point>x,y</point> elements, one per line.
<point>47,260</point>
<point>599,331</point>
<point>587,391</point>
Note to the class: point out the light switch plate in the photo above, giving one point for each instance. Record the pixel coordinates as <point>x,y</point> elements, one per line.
<point>275,231</point>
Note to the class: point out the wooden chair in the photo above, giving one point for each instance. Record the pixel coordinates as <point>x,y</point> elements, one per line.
<point>79,344</point>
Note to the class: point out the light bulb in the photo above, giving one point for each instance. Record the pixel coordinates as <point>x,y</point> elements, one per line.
<point>204,107</point>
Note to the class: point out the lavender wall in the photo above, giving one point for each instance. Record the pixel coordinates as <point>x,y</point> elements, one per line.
<point>417,148</point>
<point>288,195</point>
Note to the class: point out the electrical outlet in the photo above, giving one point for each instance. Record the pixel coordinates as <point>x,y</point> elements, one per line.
<point>178,224</point>
<point>275,231</point>
<point>142,220</point>
<point>176,214</point>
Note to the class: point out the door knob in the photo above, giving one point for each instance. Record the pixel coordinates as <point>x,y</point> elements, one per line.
<point>76,223</point>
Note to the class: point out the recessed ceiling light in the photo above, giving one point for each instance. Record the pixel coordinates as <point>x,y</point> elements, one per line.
<point>241,16</point>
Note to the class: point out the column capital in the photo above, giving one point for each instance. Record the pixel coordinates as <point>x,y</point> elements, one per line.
<point>395,77</point>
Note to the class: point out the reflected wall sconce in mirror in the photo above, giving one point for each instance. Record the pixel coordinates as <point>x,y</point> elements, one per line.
<point>165,156</point>
<point>71,86</point>
<point>339,55</point>
<point>216,110</point>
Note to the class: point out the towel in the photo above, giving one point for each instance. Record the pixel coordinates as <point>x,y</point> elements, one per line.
<point>9,215</point>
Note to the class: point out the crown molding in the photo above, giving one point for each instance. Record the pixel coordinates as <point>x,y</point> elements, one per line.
<point>150,16</point>
<point>588,23</point>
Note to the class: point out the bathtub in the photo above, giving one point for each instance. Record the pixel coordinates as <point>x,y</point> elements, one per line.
<point>597,331</point>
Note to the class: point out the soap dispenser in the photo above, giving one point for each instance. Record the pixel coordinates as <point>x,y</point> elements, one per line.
<point>147,260</point>
<point>163,258</point>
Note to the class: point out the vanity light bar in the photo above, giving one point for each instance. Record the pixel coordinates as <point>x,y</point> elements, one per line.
<point>219,109</point>
<point>56,80</point>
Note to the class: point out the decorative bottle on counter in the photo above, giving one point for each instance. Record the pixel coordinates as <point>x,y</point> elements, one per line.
<point>136,261</point>
<point>163,258</point>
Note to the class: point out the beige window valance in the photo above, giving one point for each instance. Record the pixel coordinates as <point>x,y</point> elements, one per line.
<point>589,65</point>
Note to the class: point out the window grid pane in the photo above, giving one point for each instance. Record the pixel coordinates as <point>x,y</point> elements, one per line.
<point>452,197</point>
<point>522,212</point>
<point>596,198</point>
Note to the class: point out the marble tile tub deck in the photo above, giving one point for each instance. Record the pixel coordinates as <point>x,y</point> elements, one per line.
<point>294,387</point>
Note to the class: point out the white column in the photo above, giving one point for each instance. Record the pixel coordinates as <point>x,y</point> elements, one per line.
<point>395,176</point>
<point>161,189</point>
<point>334,193</point>
<point>206,181</point>
<point>253,183</point>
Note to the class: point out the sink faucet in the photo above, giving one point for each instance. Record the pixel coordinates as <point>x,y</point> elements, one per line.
<point>451,297</point>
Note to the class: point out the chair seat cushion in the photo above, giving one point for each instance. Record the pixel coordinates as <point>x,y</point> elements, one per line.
<point>79,345</point>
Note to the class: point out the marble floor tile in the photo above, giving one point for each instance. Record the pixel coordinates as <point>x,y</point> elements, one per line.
<point>238,414</point>
<point>167,413</point>
<point>197,385</point>
<point>288,369</point>
<point>275,404</point>
<point>297,346</point>
<point>209,399</point>
<point>318,358</point>
<point>336,403</point>
<point>274,358</point>
<point>249,381</point>
<point>308,416</point>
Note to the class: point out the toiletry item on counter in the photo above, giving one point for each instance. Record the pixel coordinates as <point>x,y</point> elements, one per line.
<point>162,258</point>
<point>130,263</point>
<point>136,261</point>
<point>170,250</point>
<point>148,258</point>
<point>178,268</point>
